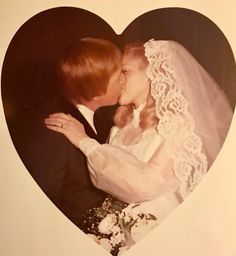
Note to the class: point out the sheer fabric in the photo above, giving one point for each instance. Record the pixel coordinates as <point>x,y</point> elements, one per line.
<point>193,111</point>
<point>162,165</point>
<point>134,170</point>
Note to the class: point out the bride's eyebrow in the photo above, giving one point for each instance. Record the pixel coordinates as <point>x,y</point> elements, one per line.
<point>124,68</point>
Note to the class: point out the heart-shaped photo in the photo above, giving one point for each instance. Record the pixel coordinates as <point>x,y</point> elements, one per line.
<point>118,130</point>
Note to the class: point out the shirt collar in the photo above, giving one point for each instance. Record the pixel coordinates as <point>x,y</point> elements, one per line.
<point>88,114</point>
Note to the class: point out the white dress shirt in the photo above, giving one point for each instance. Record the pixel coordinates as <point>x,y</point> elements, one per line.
<point>88,115</point>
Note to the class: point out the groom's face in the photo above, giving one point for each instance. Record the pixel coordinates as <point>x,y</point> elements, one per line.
<point>113,89</point>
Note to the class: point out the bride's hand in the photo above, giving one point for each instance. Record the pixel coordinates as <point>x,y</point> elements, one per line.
<point>67,125</point>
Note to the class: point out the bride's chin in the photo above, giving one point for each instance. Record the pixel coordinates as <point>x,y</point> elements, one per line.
<point>124,99</point>
<point>122,102</point>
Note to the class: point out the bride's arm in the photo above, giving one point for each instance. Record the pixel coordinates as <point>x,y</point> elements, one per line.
<point>121,174</point>
<point>115,170</point>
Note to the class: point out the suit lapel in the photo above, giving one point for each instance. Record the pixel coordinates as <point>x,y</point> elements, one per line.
<point>103,121</point>
<point>88,129</point>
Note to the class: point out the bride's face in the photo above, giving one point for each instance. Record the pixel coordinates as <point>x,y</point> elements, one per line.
<point>136,87</point>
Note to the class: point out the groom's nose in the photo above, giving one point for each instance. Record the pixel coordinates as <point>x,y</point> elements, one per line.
<point>122,79</point>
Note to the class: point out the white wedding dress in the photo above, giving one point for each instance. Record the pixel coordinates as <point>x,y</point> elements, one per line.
<point>134,167</point>
<point>159,167</point>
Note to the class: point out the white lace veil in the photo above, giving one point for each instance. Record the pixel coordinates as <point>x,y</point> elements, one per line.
<point>194,114</point>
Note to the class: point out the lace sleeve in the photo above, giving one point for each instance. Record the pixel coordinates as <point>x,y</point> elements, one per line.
<point>177,125</point>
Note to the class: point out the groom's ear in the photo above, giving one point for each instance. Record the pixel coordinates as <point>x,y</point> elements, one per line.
<point>86,102</point>
<point>94,103</point>
<point>97,99</point>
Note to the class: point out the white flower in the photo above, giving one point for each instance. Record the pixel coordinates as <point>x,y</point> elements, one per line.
<point>117,238</point>
<point>141,228</point>
<point>115,229</point>
<point>127,218</point>
<point>105,243</point>
<point>131,212</point>
<point>105,226</point>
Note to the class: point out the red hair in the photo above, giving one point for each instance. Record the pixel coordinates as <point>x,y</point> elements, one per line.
<point>86,68</point>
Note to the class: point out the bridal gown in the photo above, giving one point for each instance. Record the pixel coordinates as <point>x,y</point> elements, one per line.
<point>135,168</point>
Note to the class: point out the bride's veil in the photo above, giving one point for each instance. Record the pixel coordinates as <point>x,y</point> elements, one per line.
<point>193,111</point>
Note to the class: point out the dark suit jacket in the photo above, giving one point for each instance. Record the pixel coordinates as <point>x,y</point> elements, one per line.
<point>60,168</point>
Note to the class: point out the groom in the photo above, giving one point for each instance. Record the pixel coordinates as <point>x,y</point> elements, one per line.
<point>90,78</point>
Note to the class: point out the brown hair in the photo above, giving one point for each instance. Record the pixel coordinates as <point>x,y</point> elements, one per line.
<point>124,114</point>
<point>86,67</point>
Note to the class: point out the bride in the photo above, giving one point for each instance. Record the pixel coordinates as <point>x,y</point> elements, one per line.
<point>171,124</point>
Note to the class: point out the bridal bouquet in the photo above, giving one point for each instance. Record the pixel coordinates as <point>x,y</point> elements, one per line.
<point>117,226</point>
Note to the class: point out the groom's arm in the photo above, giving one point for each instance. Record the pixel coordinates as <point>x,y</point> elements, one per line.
<point>46,161</point>
<point>60,169</point>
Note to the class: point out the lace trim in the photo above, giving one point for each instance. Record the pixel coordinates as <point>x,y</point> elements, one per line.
<point>176,124</point>
<point>88,145</point>
<point>136,115</point>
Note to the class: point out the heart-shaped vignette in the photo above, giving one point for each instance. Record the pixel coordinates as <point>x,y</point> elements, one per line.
<point>29,76</point>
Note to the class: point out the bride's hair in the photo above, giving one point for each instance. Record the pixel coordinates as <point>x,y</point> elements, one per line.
<point>124,114</point>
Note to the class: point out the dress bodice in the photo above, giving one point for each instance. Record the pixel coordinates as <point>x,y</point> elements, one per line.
<point>142,144</point>
<point>134,167</point>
